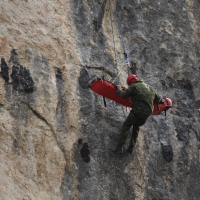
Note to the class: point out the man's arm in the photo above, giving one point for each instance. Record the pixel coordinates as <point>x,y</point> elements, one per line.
<point>125,93</point>
<point>157,98</point>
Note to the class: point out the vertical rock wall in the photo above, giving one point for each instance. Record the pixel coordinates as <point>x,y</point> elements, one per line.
<point>39,102</point>
<point>56,135</point>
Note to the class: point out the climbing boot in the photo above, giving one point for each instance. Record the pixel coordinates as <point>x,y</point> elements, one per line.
<point>130,149</point>
<point>118,149</point>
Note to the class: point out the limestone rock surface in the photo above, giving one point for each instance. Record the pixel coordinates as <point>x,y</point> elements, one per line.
<point>56,135</point>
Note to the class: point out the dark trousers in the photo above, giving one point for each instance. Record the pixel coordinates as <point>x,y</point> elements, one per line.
<point>131,120</point>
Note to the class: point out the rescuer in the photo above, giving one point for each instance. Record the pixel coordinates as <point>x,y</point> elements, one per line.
<point>143,97</point>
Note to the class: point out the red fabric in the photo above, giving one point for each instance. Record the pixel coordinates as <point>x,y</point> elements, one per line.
<point>108,90</point>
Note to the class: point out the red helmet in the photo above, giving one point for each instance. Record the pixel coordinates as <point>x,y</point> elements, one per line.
<point>168,102</point>
<point>131,79</point>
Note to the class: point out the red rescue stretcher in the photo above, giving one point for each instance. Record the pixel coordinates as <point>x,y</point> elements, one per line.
<point>108,90</point>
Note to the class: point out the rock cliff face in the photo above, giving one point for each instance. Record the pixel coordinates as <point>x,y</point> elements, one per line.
<point>55,133</point>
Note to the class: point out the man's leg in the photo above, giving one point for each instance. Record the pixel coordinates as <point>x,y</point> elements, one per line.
<point>130,120</point>
<point>135,131</point>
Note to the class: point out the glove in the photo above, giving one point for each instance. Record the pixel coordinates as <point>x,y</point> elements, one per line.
<point>123,88</point>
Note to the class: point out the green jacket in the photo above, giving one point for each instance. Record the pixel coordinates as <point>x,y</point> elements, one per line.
<point>142,97</point>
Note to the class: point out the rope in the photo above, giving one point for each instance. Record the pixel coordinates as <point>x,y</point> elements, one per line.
<point>120,34</point>
<point>112,31</point>
<point>122,41</point>
<point>114,17</point>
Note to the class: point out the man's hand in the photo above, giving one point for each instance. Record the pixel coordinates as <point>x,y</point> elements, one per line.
<point>121,88</point>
